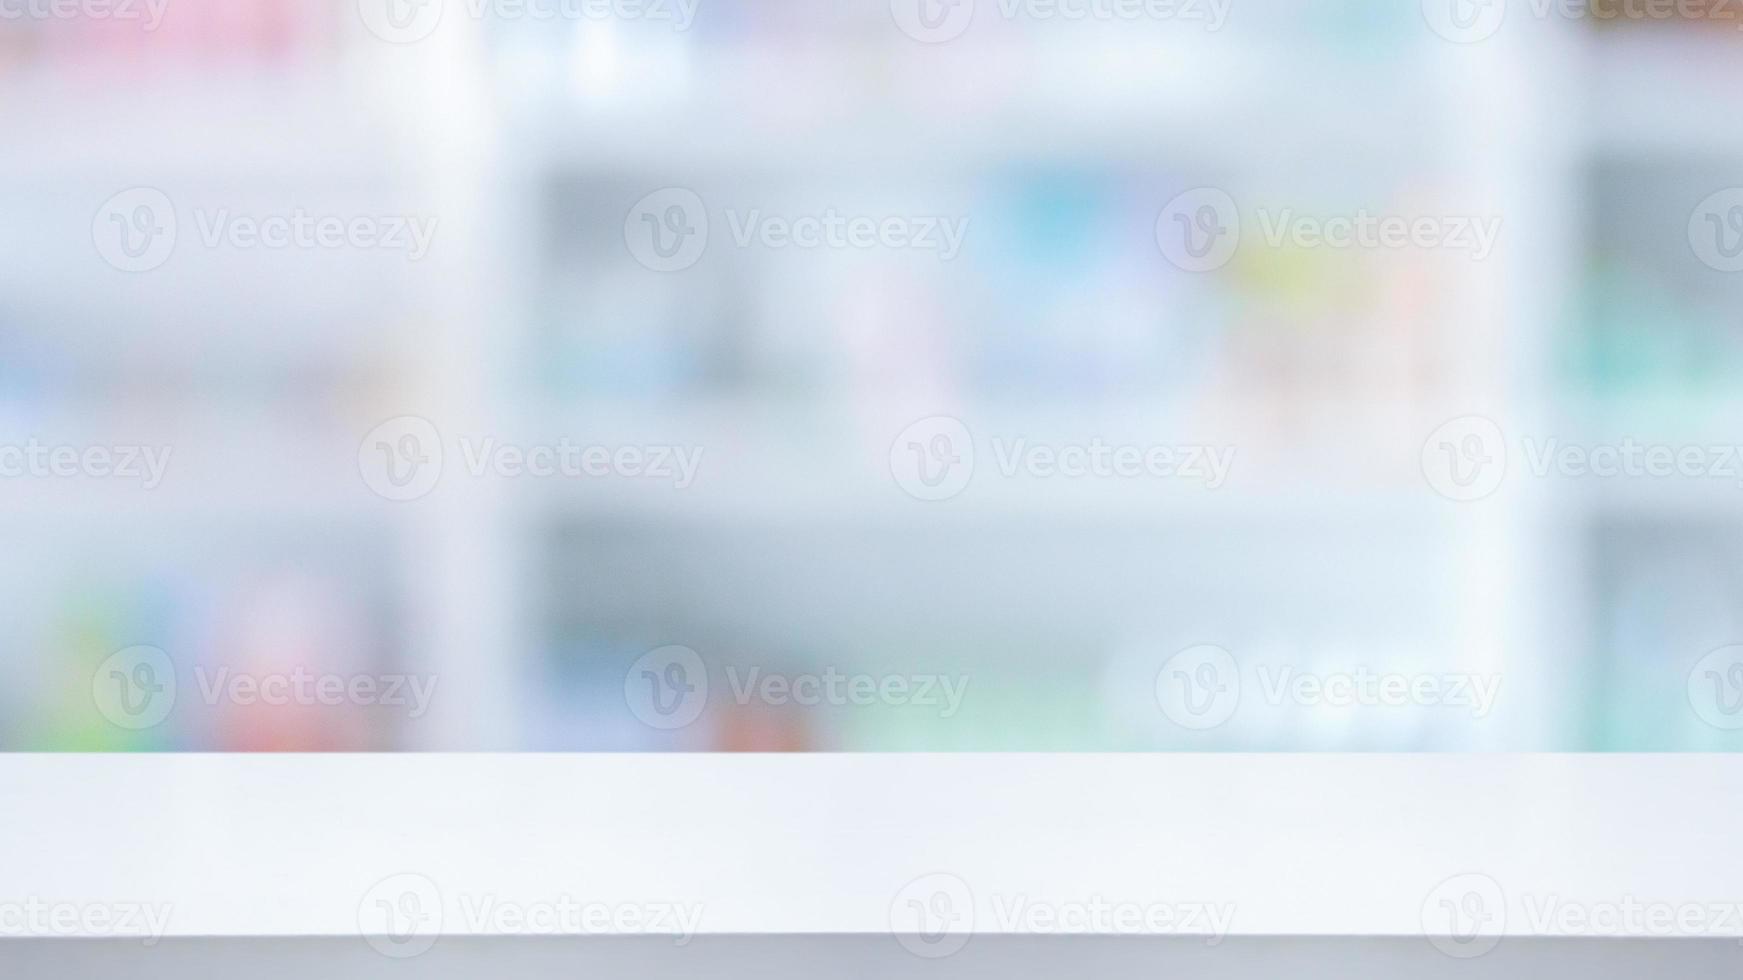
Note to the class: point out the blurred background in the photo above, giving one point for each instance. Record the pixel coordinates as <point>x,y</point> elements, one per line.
<point>323,260</point>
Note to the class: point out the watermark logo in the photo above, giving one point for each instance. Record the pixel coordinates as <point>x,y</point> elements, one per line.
<point>135,688</point>
<point>38,460</point>
<point>302,229</point>
<point>568,459</point>
<point>933,21</point>
<point>933,459</point>
<point>410,21</point>
<point>565,915</point>
<point>401,21</point>
<point>938,21</point>
<point>1471,21</point>
<point>1465,459</point>
<point>306,688</point>
<point>401,916</point>
<point>829,228</point>
<point>1210,13</point>
<point>933,915</point>
<point>1468,459</point>
<point>667,688</point>
<point>1199,688</point>
<point>1464,21</point>
<point>136,230</point>
<point>1199,231</point>
<point>147,13</point>
<point>667,231</point>
<point>1465,915</point>
<point>40,918</point>
<point>1715,688</point>
<point>401,459</point>
<point>834,687</point>
<point>1633,917</point>
<point>1364,229</point>
<point>1098,915</point>
<point>1716,230</point>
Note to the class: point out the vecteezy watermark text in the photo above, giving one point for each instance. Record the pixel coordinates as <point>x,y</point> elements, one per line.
<point>1364,229</point>
<point>1468,458</point>
<point>1200,688</point>
<point>938,21</point>
<point>935,915</point>
<point>934,459</point>
<point>1470,21</point>
<point>668,230</point>
<point>410,21</point>
<point>1467,915</point>
<point>307,688</point>
<point>138,688</point>
<point>39,460</point>
<point>403,459</point>
<point>40,918</point>
<point>147,13</point>
<point>299,228</point>
<point>566,915</point>
<point>1201,230</point>
<point>668,688</point>
<point>137,230</point>
<point>403,916</point>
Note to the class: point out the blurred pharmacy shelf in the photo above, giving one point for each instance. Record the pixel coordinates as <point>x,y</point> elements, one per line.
<point>327,128</point>
<point>1653,355</point>
<point>261,550</point>
<point>795,547</point>
<point>1655,92</point>
<point>1059,320</point>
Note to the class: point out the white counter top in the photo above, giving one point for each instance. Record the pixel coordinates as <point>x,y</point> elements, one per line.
<point>1229,845</point>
